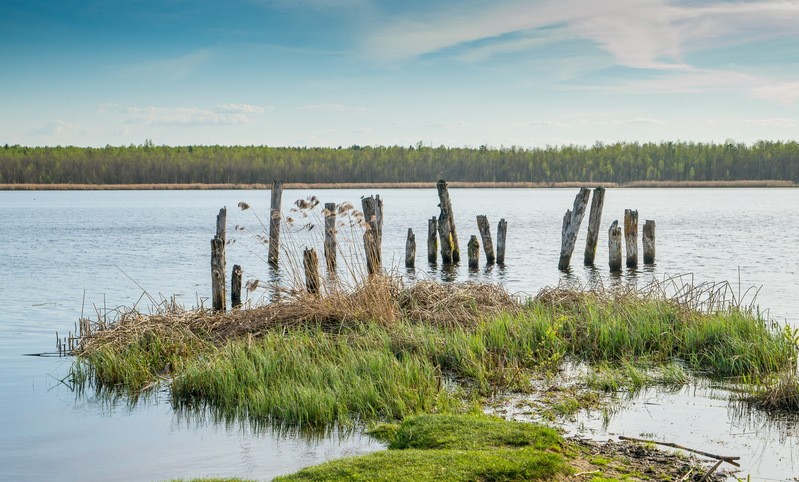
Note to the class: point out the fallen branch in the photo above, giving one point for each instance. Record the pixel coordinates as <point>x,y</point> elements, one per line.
<point>723,458</point>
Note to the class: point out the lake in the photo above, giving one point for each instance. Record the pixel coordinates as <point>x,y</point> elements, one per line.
<point>64,253</point>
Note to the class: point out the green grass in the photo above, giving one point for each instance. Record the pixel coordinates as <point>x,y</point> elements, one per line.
<point>453,448</point>
<point>315,376</point>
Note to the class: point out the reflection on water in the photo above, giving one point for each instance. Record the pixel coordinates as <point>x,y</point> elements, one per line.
<point>74,241</point>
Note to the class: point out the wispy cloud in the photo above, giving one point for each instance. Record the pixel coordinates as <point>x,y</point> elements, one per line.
<point>332,108</point>
<point>167,69</point>
<point>58,128</point>
<point>637,33</point>
<point>229,114</point>
<point>772,122</point>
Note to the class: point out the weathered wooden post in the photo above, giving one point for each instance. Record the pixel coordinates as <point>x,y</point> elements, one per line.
<point>485,234</point>
<point>473,250</point>
<point>446,206</point>
<point>373,237</point>
<point>432,240</point>
<point>571,225</point>
<point>330,237</point>
<point>218,262</point>
<point>614,247</point>
<point>502,232</point>
<point>274,222</point>
<point>311,264</point>
<point>446,237</point>
<point>631,237</point>
<point>649,241</point>
<point>410,249</point>
<point>235,287</point>
<point>594,223</point>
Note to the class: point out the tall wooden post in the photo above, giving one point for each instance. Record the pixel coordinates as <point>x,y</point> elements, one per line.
<point>502,232</point>
<point>571,225</point>
<point>473,250</point>
<point>218,262</point>
<point>330,237</point>
<point>631,237</point>
<point>235,287</point>
<point>594,223</point>
<point>445,236</point>
<point>485,234</point>
<point>614,247</point>
<point>432,240</point>
<point>649,242</point>
<point>410,249</point>
<point>446,206</point>
<point>373,237</point>
<point>274,222</point>
<point>311,264</point>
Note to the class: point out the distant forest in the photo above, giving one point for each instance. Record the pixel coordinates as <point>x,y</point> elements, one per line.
<point>620,163</point>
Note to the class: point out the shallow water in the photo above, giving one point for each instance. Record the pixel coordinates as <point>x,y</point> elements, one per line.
<point>107,247</point>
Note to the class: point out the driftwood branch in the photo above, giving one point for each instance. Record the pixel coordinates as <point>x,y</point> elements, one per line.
<point>723,458</point>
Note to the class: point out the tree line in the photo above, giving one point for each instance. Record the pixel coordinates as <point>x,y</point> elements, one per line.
<point>619,162</point>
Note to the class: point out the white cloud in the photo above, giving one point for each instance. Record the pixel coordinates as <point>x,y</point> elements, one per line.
<point>58,128</point>
<point>771,122</point>
<point>637,33</point>
<point>332,107</point>
<point>238,109</point>
<point>183,116</point>
<point>644,121</point>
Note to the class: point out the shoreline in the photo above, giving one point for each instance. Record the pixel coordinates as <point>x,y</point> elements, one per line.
<point>398,185</point>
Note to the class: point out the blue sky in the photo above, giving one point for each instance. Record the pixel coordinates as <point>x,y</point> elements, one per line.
<point>369,72</point>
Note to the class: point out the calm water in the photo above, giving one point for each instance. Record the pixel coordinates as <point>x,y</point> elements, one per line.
<point>59,246</point>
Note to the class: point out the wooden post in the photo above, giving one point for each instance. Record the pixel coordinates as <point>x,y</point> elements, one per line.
<point>446,237</point>
<point>473,250</point>
<point>502,232</point>
<point>571,225</point>
<point>235,287</point>
<point>372,251</point>
<point>649,242</point>
<point>218,262</point>
<point>330,237</point>
<point>373,215</point>
<point>446,206</point>
<point>410,249</point>
<point>614,247</point>
<point>274,222</point>
<point>311,264</point>
<point>432,240</point>
<point>631,237</point>
<point>594,223</point>
<point>485,234</point>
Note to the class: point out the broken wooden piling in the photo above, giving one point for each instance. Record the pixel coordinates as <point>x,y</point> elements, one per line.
<point>330,237</point>
<point>218,262</point>
<point>571,225</point>
<point>631,237</point>
<point>235,287</point>
<point>274,222</point>
<point>473,250</point>
<point>502,232</point>
<point>614,247</point>
<point>432,240</point>
<point>649,241</point>
<point>410,249</point>
<point>594,223</point>
<point>446,206</point>
<point>373,236</point>
<point>445,235</point>
<point>311,264</point>
<point>485,235</point>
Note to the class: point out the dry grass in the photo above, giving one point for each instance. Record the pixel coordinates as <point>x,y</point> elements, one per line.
<point>383,300</point>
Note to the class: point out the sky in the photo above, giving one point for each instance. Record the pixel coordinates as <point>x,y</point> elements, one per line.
<point>528,73</point>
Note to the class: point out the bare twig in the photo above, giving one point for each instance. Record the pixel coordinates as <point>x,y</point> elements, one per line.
<point>723,458</point>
